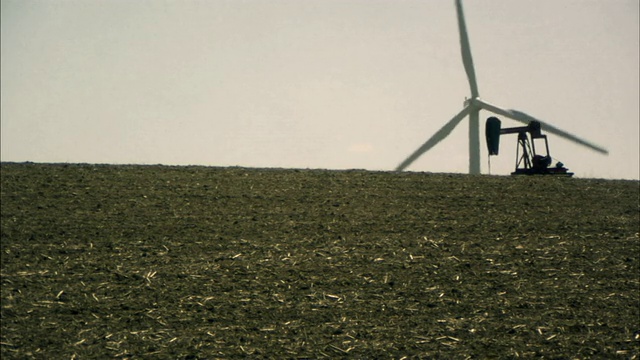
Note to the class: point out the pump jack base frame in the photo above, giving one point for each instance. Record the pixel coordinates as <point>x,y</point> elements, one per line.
<point>549,171</point>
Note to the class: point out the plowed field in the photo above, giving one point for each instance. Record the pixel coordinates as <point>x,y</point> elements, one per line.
<point>144,262</point>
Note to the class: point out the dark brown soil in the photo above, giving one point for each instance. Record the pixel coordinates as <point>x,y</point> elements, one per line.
<point>145,262</point>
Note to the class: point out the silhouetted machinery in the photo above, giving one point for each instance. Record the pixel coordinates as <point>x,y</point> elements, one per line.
<point>528,162</point>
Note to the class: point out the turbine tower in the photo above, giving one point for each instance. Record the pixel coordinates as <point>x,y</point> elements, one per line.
<point>472,109</point>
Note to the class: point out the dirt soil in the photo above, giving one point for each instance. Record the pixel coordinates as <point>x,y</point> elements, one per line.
<point>146,262</point>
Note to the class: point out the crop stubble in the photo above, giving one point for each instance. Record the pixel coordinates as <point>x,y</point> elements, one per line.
<point>201,262</point>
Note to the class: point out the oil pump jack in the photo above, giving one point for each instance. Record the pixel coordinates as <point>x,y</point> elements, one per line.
<point>528,162</point>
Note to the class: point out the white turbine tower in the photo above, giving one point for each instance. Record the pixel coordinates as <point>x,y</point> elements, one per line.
<point>472,109</point>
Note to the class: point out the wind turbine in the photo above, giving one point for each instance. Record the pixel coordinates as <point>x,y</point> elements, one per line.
<point>472,109</point>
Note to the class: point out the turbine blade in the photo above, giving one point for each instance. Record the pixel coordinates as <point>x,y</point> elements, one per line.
<point>435,139</point>
<point>564,134</point>
<point>465,49</point>
<point>526,118</point>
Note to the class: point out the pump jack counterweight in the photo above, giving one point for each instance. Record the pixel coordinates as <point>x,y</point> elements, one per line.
<point>528,161</point>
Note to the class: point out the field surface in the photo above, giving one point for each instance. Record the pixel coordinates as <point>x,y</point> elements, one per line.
<point>158,262</point>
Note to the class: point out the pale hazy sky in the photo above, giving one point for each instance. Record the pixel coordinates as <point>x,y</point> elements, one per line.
<point>313,83</point>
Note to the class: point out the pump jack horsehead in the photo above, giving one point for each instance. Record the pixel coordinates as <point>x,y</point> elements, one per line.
<point>472,109</point>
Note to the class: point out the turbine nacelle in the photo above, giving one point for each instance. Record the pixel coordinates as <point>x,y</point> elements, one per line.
<point>475,102</point>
